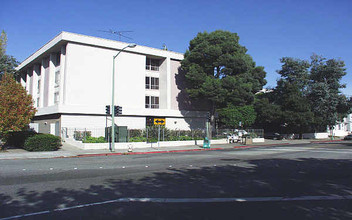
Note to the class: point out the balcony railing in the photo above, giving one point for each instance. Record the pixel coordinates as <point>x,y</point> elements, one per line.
<point>150,67</point>
<point>151,105</point>
<point>148,86</point>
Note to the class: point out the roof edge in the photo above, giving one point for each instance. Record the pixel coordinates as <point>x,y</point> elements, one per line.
<point>96,41</point>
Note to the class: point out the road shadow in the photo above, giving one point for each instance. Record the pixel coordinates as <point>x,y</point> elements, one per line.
<point>253,178</point>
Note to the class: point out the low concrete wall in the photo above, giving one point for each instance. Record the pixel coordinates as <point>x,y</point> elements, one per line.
<point>258,140</point>
<point>321,135</point>
<point>126,145</point>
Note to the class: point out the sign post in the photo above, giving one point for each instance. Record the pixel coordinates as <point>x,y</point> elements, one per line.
<point>159,122</point>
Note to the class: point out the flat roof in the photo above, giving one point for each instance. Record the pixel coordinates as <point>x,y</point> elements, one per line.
<point>65,37</point>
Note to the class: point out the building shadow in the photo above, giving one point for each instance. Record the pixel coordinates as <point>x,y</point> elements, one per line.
<point>254,178</point>
<point>189,106</point>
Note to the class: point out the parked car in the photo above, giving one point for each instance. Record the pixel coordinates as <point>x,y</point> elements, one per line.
<point>274,136</point>
<point>348,137</point>
<point>236,136</point>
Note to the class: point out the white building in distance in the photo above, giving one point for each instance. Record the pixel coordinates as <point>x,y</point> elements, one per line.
<point>70,80</point>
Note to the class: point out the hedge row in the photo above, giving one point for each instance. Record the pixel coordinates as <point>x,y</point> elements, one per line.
<point>32,141</point>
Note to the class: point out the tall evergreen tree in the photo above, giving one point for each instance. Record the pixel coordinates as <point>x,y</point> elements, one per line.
<point>330,105</point>
<point>220,72</point>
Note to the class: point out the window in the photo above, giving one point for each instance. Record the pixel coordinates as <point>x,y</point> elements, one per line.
<point>147,82</point>
<point>152,64</point>
<point>57,78</point>
<point>57,59</point>
<point>147,102</point>
<point>151,83</point>
<point>38,99</point>
<point>56,98</point>
<point>38,87</point>
<point>151,102</point>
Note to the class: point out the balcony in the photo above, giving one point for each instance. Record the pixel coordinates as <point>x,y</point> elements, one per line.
<point>152,68</point>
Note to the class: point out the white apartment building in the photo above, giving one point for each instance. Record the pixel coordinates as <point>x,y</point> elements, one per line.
<point>344,127</point>
<point>70,80</point>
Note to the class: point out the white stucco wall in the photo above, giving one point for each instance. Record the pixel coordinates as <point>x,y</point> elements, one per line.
<point>89,77</point>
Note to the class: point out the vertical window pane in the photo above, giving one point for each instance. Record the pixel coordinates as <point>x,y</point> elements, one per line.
<point>154,83</point>
<point>56,98</point>
<point>57,78</point>
<point>147,102</point>
<point>147,82</point>
<point>38,86</point>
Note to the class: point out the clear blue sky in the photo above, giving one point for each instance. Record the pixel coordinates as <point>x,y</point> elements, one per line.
<point>269,29</point>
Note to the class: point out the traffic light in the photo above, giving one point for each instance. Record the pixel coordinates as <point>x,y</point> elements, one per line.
<point>117,110</point>
<point>208,116</point>
<point>107,109</point>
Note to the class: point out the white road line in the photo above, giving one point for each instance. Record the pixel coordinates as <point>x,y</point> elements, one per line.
<point>189,200</point>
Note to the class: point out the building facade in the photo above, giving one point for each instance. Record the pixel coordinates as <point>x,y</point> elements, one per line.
<point>344,127</point>
<point>70,80</point>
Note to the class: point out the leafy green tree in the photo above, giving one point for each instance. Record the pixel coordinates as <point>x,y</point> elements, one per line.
<point>220,72</point>
<point>330,106</point>
<point>291,93</point>
<point>7,62</point>
<point>306,98</point>
<point>16,106</point>
<point>231,116</point>
<point>269,114</point>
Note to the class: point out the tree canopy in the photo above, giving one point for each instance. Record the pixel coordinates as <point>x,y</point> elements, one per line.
<point>220,72</point>
<point>307,96</point>
<point>7,62</point>
<point>16,106</point>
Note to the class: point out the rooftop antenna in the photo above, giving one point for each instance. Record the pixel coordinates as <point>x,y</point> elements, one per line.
<point>164,46</point>
<point>119,33</point>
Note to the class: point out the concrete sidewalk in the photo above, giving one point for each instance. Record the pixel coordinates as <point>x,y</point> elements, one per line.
<point>71,151</point>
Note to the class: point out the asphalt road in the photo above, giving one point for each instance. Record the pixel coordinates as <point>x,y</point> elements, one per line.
<point>312,181</point>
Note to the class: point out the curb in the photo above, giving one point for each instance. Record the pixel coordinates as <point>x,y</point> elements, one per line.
<point>179,151</point>
<point>327,141</point>
<point>152,152</point>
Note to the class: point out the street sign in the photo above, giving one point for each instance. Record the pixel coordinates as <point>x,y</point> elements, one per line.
<point>159,121</point>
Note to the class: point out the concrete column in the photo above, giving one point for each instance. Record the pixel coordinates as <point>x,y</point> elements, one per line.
<point>168,83</point>
<point>28,79</point>
<point>35,77</point>
<point>51,87</point>
<point>62,73</point>
<point>23,79</point>
<point>42,82</point>
<point>65,71</point>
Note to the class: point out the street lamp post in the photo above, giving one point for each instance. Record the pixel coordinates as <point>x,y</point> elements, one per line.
<point>113,97</point>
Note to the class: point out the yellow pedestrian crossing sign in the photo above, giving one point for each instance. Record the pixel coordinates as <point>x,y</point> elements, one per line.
<point>159,121</point>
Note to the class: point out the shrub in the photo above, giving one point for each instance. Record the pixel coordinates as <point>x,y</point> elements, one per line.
<point>135,133</point>
<point>18,138</point>
<point>94,140</point>
<point>81,135</point>
<point>42,142</point>
<point>137,139</point>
